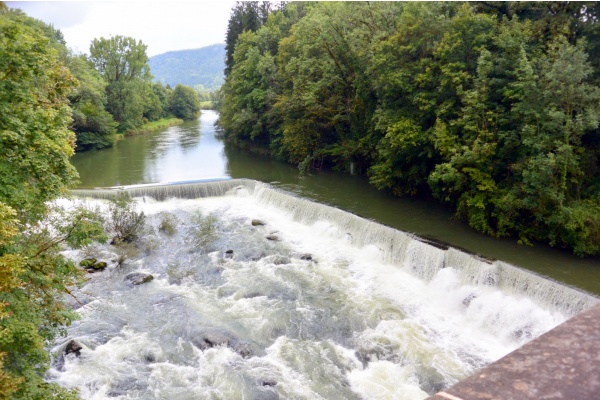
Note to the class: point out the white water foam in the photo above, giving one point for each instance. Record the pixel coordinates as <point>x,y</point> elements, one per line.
<point>335,307</point>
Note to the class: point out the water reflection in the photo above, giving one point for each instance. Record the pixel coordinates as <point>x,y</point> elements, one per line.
<point>186,152</point>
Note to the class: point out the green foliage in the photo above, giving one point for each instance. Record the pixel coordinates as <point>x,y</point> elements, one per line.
<point>123,63</point>
<point>35,142</point>
<point>34,274</point>
<point>94,127</point>
<point>203,231</point>
<point>125,223</point>
<point>490,107</point>
<point>185,103</point>
<point>168,223</point>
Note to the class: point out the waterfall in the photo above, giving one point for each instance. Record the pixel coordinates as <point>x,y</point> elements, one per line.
<point>419,257</point>
<point>163,192</point>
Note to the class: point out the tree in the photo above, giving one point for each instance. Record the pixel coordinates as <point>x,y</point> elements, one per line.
<point>123,63</point>
<point>94,127</point>
<point>185,103</point>
<point>245,16</point>
<point>36,144</point>
<point>35,141</point>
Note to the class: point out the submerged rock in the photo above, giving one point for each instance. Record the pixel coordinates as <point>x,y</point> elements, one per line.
<point>274,238</point>
<point>138,278</point>
<point>258,222</point>
<point>467,300</point>
<point>229,254</point>
<point>307,257</point>
<point>215,337</point>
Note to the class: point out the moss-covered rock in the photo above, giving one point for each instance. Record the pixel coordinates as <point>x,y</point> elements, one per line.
<point>88,262</point>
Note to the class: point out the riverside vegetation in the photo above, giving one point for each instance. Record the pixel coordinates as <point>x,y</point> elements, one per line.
<point>490,107</point>
<point>114,93</point>
<point>50,102</point>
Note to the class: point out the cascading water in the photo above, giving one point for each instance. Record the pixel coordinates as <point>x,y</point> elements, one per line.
<point>315,303</point>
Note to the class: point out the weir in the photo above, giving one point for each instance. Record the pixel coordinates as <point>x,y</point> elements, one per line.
<point>311,302</point>
<point>409,252</point>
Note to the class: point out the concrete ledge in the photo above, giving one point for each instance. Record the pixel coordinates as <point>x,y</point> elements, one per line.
<point>563,363</point>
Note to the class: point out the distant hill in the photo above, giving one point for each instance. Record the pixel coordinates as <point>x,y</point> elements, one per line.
<point>194,67</point>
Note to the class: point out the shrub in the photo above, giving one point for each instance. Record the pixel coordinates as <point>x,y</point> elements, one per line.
<point>125,222</point>
<point>204,231</point>
<point>168,223</point>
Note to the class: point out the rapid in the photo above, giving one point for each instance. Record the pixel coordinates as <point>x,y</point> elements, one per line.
<point>260,294</point>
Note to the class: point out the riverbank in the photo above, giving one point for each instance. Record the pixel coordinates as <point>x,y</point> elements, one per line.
<point>155,126</point>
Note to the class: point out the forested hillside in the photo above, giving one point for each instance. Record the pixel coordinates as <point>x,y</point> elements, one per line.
<point>490,107</point>
<point>195,67</point>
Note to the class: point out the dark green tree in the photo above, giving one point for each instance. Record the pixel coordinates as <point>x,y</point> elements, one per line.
<point>185,103</point>
<point>245,16</point>
<point>94,127</point>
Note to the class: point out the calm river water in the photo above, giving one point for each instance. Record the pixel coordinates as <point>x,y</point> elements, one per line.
<point>190,152</point>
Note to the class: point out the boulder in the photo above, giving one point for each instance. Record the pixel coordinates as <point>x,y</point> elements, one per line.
<point>73,347</point>
<point>258,222</point>
<point>229,254</point>
<point>138,278</point>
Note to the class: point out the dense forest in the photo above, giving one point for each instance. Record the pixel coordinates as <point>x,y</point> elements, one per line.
<point>490,107</point>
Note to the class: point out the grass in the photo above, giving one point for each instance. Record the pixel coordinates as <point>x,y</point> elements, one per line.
<point>155,125</point>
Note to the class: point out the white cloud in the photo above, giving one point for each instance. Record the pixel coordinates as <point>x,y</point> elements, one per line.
<point>162,26</point>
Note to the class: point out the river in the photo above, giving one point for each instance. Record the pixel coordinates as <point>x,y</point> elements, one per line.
<point>242,286</point>
<point>191,152</point>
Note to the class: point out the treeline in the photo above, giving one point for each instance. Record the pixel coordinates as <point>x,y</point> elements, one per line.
<point>114,93</point>
<point>490,107</point>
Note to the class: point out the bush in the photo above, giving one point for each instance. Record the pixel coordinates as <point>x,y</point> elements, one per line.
<point>125,222</point>
<point>204,231</point>
<point>168,223</point>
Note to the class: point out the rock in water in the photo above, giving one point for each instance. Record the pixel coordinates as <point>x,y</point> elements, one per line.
<point>100,266</point>
<point>138,278</point>
<point>73,347</point>
<point>88,262</point>
<point>216,337</point>
<point>258,222</point>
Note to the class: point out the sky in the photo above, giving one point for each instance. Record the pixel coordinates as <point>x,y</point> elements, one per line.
<point>162,26</point>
